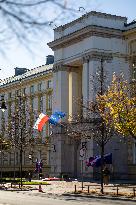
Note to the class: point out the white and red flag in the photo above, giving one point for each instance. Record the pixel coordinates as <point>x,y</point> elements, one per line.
<point>42,119</point>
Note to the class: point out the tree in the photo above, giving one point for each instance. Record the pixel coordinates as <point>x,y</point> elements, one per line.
<point>25,19</point>
<point>19,130</point>
<point>4,146</point>
<point>117,107</point>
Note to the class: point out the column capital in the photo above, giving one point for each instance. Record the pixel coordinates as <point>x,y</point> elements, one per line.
<point>58,67</point>
<point>64,67</point>
<point>97,56</point>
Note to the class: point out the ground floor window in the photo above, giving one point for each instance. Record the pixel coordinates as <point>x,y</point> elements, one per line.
<point>134,152</point>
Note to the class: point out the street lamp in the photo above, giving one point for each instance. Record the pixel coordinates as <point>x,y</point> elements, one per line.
<point>3,108</point>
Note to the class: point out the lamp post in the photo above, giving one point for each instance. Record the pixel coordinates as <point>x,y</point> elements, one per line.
<point>3,108</point>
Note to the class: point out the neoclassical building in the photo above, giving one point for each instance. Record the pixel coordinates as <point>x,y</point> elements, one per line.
<point>81,49</point>
<point>26,95</point>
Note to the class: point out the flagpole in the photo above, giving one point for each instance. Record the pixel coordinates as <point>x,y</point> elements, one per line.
<point>102,129</point>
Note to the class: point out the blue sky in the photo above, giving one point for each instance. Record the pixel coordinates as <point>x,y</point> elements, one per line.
<point>18,56</point>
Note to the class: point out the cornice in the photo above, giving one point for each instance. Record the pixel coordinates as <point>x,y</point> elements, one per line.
<point>64,67</point>
<point>25,82</point>
<point>129,32</point>
<point>97,56</point>
<point>13,81</point>
<point>85,32</point>
<point>88,56</point>
<point>92,13</point>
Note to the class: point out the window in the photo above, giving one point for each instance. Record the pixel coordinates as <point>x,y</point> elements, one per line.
<point>9,95</point>
<point>32,89</point>
<point>49,101</point>
<point>10,158</point>
<point>32,103</point>
<point>134,71</point>
<point>9,109</point>
<point>44,133</point>
<point>49,84</point>
<point>17,157</point>
<point>39,86</point>
<point>39,155</point>
<point>134,152</point>
<point>23,158</point>
<point>41,103</point>
<point>24,91</point>
<point>17,92</point>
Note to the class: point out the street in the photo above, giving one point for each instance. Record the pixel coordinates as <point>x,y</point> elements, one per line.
<point>29,198</point>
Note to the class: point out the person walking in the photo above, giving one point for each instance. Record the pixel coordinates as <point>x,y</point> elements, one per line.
<point>29,176</point>
<point>106,176</point>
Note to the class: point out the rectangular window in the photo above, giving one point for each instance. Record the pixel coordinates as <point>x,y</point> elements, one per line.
<point>17,92</point>
<point>134,152</point>
<point>41,103</point>
<point>32,103</point>
<point>49,84</point>
<point>44,133</point>
<point>32,89</point>
<point>39,86</point>
<point>24,91</point>
<point>23,158</point>
<point>16,158</point>
<point>49,129</point>
<point>39,155</point>
<point>50,102</point>
<point>9,95</point>
<point>2,97</point>
<point>9,110</point>
<point>133,71</point>
<point>10,158</point>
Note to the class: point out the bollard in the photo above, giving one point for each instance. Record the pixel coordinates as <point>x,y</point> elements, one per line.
<point>134,193</point>
<point>75,189</point>
<point>11,184</point>
<point>19,185</point>
<point>117,190</point>
<point>88,189</point>
<point>40,188</point>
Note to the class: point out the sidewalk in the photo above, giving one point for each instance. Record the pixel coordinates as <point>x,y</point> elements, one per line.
<point>63,188</point>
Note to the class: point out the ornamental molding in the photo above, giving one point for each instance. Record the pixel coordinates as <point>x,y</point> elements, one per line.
<point>92,13</point>
<point>63,67</point>
<point>97,56</point>
<point>83,33</point>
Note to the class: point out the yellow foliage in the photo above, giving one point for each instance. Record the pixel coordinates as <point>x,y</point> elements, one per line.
<point>118,107</point>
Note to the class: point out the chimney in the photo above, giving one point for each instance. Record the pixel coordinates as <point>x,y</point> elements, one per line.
<point>49,59</point>
<point>20,71</point>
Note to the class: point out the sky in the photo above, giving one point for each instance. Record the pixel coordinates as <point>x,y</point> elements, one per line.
<point>17,55</point>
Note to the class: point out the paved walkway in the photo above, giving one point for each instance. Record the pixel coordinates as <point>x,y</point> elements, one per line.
<point>63,187</point>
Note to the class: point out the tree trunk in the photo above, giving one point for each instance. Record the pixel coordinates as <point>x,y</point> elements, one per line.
<point>102,163</point>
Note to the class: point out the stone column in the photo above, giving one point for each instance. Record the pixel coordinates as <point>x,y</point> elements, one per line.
<point>85,85</point>
<point>74,93</point>
<point>61,90</point>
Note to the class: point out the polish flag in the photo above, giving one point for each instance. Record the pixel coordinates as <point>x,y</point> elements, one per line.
<point>42,119</point>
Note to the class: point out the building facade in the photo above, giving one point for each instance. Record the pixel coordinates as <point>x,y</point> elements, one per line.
<point>26,95</point>
<point>81,48</point>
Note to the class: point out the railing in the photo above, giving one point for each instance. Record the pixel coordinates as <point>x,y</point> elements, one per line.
<point>112,189</point>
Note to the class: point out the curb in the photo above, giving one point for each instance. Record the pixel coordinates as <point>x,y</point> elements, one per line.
<point>100,197</point>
